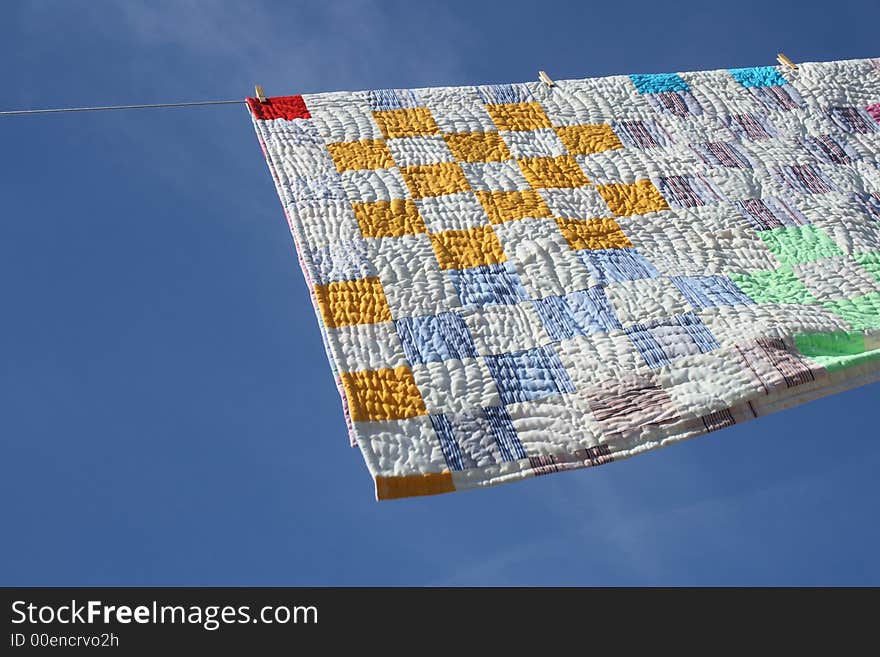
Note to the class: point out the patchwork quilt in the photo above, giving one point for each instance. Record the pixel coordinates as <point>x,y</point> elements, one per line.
<point>520,279</point>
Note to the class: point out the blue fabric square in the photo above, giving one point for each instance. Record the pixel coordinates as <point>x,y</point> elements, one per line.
<point>647,345</point>
<point>495,94</point>
<point>652,83</point>
<point>344,261</point>
<point>664,341</point>
<point>488,285</point>
<point>707,291</point>
<point>578,313</point>
<point>508,441</point>
<point>616,265</point>
<point>529,374</point>
<point>305,189</point>
<point>433,338</point>
<point>448,443</point>
<point>699,332</point>
<point>477,437</point>
<point>758,76</point>
<point>391,99</point>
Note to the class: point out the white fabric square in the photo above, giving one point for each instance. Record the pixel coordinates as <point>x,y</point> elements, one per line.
<point>504,329</point>
<point>455,386</point>
<point>411,277</point>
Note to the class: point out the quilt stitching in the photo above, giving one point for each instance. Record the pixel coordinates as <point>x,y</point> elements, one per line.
<point>515,280</point>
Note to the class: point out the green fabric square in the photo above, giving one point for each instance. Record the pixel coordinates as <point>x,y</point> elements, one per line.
<point>794,244</point>
<point>776,286</point>
<point>836,351</point>
<point>870,261</point>
<point>861,312</point>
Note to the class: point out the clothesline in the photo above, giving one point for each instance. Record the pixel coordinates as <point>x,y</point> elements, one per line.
<point>542,75</point>
<point>120,107</point>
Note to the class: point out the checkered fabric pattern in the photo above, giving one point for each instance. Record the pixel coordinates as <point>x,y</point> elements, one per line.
<point>514,280</point>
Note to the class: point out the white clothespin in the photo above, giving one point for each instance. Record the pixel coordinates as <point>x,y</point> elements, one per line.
<point>260,95</point>
<point>785,61</point>
<point>546,79</point>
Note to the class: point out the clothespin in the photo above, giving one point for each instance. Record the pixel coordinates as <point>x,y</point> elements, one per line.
<point>546,79</point>
<point>260,95</point>
<point>785,61</point>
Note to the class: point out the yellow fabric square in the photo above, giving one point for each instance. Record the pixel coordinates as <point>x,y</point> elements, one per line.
<point>352,155</point>
<point>389,218</point>
<point>519,116</point>
<point>593,233</point>
<point>406,122</point>
<point>387,394</point>
<point>430,483</point>
<point>435,179</point>
<point>460,249</point>
<point>587,139</point>
<point>638,198</point>
<point>507,206</point>
<point>353,302</point>
<point>477,147</point>
<point>544,172</point>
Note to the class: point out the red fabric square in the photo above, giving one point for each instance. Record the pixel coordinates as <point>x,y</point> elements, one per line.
<point>279,107</point>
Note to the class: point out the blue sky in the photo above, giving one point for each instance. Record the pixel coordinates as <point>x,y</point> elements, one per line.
<point>168,415</point>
